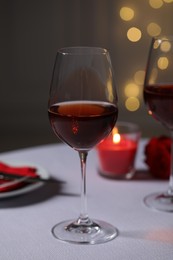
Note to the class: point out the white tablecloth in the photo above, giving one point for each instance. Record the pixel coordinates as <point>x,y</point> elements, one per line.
<point>26,220</point>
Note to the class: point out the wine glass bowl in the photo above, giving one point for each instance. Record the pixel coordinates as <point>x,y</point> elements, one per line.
<point>158,96</point>
<point>82,109</point>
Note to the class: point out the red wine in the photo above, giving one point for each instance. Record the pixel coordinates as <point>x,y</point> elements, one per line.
<point>159,99</point>
<point>82,125</point>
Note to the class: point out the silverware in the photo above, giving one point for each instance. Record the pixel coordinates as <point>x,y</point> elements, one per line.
<point>8,176</point>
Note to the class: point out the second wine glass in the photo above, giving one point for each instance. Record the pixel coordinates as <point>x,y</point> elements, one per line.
<point>82,111</point>
<point>158,96</point>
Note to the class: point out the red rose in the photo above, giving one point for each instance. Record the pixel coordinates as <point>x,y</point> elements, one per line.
<point>158,156</point>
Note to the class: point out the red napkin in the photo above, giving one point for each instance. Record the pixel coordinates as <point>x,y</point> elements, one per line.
<point>22,171</point>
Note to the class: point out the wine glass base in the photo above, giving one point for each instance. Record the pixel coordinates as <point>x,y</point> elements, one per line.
<point>96,233</point>
<point>159,201</point>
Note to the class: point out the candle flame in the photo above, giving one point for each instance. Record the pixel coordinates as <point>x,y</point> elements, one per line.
<point>116,135</point>
<point>150,112</point>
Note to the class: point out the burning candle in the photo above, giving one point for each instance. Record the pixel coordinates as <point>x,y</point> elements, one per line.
<point>117,152</point>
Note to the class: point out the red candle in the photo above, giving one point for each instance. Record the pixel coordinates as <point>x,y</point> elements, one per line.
<point>117,155</point>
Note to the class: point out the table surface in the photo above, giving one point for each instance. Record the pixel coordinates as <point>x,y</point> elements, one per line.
<point>26,220</point>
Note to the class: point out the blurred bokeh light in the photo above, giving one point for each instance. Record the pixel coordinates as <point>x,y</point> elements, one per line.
<point>163,63</point>
<point>134,34</point>
<point>126,13</point>
<point>153,29</point>
<point>156,3</point>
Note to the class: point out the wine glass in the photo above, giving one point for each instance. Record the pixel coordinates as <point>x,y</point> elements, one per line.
<point>158,96</point>
<point>82,111</point>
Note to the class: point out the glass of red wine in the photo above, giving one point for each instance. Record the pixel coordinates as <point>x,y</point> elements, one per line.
<point>158,96</point>
<point>82,111</point>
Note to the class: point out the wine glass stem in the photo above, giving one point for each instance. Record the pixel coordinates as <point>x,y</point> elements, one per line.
<point>170,188</point>
<point>83,218</point>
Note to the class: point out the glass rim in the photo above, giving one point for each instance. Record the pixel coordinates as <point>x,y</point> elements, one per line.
<point>163,37</point>
<point>82,50</point>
